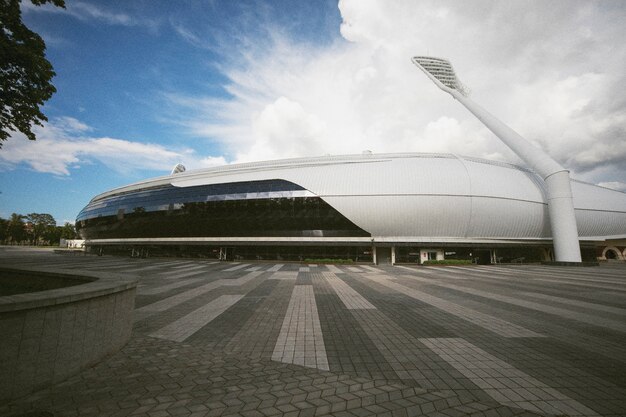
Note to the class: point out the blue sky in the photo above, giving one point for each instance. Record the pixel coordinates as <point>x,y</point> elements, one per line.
<point>143,85</point>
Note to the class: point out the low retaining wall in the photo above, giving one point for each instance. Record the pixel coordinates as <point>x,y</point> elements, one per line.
<point>47,336</point>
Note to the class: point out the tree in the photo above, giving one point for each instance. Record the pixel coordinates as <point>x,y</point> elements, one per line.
<point>16,230</point>
<point>4,225</point>
<point>52,235</point>
<point>68,231</point>
<point>25,73</point>
<point>39,225</point>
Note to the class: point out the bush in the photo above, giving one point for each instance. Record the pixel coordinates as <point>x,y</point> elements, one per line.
<point>449,262</point>
<point>329,261</point>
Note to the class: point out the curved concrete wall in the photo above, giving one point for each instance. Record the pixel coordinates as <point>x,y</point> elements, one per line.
<point>50,335</point>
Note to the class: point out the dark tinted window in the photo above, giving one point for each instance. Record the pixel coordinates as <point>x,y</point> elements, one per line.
<point>259,208</point>
<point>160,198</point>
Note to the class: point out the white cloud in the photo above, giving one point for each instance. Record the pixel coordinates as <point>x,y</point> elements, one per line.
<point>552,70</point>
<point>209,161</point>
<point>62,146</point>
<point>90,12</point>
<point>285,130</point>
<point>86,11</point>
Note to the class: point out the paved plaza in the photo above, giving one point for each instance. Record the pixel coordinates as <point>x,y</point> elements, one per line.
<point>272,339</point>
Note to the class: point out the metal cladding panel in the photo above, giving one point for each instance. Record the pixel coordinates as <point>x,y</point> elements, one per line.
<point>599,211</point>
<point>593,223</point>
<point>445,216</point>
<point>500,180</point>
<point>423,176</point>
<point>503,218</point>
<point>593,197</point>
<point>415,215</point>
<point>370,176</point>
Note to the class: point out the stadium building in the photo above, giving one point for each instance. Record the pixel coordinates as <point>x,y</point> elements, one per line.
<point>381,208</point>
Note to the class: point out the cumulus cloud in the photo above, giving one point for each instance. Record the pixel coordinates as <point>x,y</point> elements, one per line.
<point>554,71</point>
<point>62,146</point>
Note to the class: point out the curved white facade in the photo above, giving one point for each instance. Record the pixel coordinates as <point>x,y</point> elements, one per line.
<point>427,197</point>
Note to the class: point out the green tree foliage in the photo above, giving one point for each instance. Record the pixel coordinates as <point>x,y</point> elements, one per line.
<point>4,226</point>
<point>25,73</point>
<point>35,228</point>
<point>52,235</point>
<point>16,229</point>
<point>39,226</point>
<point>68,231</point>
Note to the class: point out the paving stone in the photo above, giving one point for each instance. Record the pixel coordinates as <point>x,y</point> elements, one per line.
<point>378,330</point>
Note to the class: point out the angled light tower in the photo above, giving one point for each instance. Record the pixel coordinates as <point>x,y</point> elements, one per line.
<point>559,191</point>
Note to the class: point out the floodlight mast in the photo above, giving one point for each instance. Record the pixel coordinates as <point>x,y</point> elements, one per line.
<point>558,188</point>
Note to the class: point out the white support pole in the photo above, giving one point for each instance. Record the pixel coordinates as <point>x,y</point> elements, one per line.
<point>538,160</point>
<point>562,218</point>
<point>558,187</point>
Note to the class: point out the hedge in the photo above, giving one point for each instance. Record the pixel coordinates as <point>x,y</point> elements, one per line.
<point>329,261</point>
<point>449,262</point>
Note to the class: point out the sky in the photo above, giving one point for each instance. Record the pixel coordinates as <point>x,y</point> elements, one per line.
<point>145,84</point>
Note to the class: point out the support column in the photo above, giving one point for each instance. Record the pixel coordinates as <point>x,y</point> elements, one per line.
<point>558,188</point>
<point>562,218</point>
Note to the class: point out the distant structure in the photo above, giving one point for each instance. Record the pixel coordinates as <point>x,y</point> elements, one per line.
<point>407,207</point>
<point>562,216</point>
<point>178,168</point>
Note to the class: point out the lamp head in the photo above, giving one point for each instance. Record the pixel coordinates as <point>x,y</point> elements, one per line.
<point>440,71</point>
<point>178,168</point>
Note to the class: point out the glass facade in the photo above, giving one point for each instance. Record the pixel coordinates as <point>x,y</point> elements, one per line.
<point>269,208</point>
<point>240,253</point>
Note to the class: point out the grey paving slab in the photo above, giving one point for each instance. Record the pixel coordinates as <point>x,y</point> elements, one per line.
<point>167,287</point>
<point>546,308</point>
<point>300,340</point>
<point>150,267</point>
<point>333,268</point>
<point>491,323</point>
<point>184,327</point>
<point>607,275</point>
<point>370,268</point>
<point>350,298</point>
<point>581,284</point>
<point>223,329</point>
<point>184,273</point>
<point>187,265</point>
<point>154,377</point>
<point>502,381</point>
<point>379,360</point>
<point>167,303</point>
<point>236,267</point>
<point>256,338</point>
<point>401,351</point>
<point>289,275</point>
<point>577,303</point>
<point>254,268</point>
<point>589,279</point>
